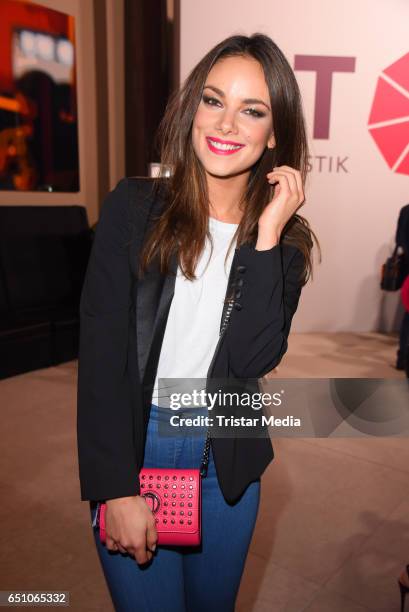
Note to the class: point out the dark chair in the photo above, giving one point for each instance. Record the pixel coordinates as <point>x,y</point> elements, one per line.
<point>44,253</point>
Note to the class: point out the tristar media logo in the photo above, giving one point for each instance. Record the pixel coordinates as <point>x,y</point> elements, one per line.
<point>389,118</point>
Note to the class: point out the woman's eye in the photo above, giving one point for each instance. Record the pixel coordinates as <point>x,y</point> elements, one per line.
<point>210,101</point>
<point>255,113</point>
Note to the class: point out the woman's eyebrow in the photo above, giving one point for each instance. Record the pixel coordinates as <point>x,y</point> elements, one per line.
<point>246,101</point>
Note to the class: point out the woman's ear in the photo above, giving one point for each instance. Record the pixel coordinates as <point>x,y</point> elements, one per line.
<point>271,143</point>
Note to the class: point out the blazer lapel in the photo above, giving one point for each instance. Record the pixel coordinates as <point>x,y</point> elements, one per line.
<point>153,298</point>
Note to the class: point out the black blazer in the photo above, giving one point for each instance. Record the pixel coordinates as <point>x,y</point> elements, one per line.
<point>122,324</point>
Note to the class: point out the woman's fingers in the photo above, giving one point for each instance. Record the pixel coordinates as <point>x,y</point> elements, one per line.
<point>290,182</point>
<point>110,543</point>
<point>288,197</point>
<point>140,552</point>
<point>115,546</point>
<point>288,185</point>
<point>121,549</point>
<point>151,535</point>
<point>297,176</point>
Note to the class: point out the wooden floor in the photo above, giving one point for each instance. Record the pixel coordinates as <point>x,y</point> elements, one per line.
<point>333,527</point>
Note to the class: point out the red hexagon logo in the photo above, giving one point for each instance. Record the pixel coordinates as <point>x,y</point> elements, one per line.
<point>389,118</point>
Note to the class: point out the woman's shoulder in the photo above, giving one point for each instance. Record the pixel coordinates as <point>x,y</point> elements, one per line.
<point>132,198</point>
<point>133,188</point>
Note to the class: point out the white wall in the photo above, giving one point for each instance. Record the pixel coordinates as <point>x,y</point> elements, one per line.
<point>354,213</point>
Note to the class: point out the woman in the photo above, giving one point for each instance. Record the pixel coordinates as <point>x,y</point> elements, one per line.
<point>235,139</point>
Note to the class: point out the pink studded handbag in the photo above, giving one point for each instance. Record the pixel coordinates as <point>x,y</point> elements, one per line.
<point>174,496</point>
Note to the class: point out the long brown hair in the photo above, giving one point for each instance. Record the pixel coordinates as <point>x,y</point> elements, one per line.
<point>182,226</point>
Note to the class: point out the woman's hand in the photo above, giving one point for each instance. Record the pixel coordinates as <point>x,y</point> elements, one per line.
<point>130,527</point>
<point>288,197</point>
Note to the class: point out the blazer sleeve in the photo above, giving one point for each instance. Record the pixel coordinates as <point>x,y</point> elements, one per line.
<point>265,303</point>
<point>106,454</point>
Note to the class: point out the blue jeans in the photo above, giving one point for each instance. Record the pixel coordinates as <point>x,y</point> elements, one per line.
<point>189,579</point>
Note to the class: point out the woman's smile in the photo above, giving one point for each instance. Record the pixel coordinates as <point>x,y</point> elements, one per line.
<point>223,147</point>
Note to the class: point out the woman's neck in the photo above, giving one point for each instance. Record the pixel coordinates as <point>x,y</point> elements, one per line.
<point>225,195</point>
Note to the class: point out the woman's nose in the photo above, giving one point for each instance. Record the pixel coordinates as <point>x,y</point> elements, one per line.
<point>227,123</point>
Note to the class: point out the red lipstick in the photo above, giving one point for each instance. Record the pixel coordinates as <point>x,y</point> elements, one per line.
<point>223,147</point>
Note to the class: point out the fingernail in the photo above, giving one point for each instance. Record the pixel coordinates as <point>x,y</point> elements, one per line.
<point>153,547</point>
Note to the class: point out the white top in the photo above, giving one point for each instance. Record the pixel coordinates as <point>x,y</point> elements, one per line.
<point>193,326</point>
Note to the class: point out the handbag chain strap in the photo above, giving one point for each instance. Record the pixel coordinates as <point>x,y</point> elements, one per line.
<point>206,451</point>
